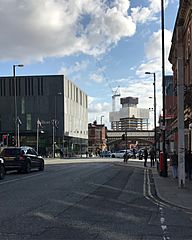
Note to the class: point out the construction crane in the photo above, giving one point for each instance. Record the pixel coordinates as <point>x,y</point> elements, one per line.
<point>115,94</point>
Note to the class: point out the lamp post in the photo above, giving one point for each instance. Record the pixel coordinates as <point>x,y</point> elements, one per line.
<point>155,126</point>
<point>55,122</point>
<point>164,173</point>
<point>16,124</point>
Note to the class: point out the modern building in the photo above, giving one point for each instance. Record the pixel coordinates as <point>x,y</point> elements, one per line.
<point>97,138</point>
<point>59,106</point>
<point>129,117</point>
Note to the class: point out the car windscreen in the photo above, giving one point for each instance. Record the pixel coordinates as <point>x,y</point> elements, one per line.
<point>7,152</point>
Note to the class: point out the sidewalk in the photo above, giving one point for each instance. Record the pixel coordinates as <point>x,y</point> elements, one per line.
<point>168,190</point>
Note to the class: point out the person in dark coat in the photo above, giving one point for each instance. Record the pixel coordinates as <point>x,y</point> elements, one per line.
<point>174,164</point>
<point>145,156</point>
<point>188,164</point>
<point>152,156</point>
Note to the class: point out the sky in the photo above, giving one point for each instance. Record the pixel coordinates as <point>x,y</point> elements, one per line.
<point>103,46</point>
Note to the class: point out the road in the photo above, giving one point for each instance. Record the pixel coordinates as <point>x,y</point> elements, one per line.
<point>85,199</point>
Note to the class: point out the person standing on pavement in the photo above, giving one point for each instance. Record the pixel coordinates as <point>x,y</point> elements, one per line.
<point>145,156</point>
<point>174,164</point>
<point>188,164</point>
<point>152,156</point>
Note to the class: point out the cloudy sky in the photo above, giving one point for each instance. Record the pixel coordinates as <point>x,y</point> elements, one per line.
<point>101,45</point>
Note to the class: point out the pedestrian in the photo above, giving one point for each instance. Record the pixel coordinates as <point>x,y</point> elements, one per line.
<point>126,157</point>
<point>152,156</point>
<point>61,153</point>
<point>188,164</point>
<point>174,164</point>
<point>140,154</point>
<point>145,156</point>
<point>134,153</point>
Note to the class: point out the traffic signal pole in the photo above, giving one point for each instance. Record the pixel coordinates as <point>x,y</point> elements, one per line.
<point>126,139</point>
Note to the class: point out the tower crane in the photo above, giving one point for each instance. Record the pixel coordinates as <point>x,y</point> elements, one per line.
<point>115,94</point>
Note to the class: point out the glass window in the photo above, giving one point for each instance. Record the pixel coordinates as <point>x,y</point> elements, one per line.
<point>23,105</point>
<point>28,121</point>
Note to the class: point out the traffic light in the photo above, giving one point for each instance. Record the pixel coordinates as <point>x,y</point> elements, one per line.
<point>123,137</point>
<point>13,141</point>
<point>4,140</point>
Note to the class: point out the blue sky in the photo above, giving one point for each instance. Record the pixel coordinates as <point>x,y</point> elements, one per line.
<point>98,44</point>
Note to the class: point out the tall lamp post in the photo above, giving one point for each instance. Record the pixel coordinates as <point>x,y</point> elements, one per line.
<point>155,126</point>
<point>164,173</point>
<point>55,122</point>
<point>16,124</point>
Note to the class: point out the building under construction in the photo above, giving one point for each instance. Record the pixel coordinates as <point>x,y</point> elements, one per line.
<point>129,117</point>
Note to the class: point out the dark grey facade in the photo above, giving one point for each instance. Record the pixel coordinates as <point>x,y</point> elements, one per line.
<point>37,97</point>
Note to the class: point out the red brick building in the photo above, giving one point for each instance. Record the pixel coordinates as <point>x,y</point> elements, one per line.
<point>96,137</point>
<point>181,60</point>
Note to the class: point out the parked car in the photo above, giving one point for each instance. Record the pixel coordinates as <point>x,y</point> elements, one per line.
<point>22,159</point>
<point>105,154</point>
<point>2,169</point>
<point>118,154</point>
<point>121,153</point>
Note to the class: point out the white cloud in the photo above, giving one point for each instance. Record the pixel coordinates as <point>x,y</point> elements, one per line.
<point>141,15</point>
<point>75,68</point>
<point>96,77</point>
<point>153,61</point>
<point>48,28</point>
<point>97,109</point>
<point>145,14</point>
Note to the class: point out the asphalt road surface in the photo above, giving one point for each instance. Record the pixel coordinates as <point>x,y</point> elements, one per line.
<point>88,200</point>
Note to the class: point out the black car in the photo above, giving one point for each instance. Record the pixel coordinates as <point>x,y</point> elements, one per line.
<point>22,159</point>
<point>2,169</point>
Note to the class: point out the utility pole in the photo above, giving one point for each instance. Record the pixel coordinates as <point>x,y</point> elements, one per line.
<point>164,173</point>
<point>180,108</point>
<point>155,125</point>
<point>126,140</point>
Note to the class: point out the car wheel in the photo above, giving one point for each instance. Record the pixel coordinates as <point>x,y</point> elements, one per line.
<point>41,168</point>
<point>27,167</point>
<point>113,156</point>
<point>2,172</point>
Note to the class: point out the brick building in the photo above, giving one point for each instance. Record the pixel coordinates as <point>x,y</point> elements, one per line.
<point>96,137</point>
<point>181,59</point>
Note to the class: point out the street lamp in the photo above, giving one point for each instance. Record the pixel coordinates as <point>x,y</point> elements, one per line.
<point>165,172</point>
<point>16,122</point>
<point>55,122</point>
<point>155,127</point>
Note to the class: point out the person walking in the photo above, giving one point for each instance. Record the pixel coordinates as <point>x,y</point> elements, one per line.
<point>125,157</point>
<point>174,164</point>
<point>152,156</point>
<point>145,156</point>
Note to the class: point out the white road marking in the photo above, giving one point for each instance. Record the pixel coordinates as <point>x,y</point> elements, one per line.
<point>146,193</point>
